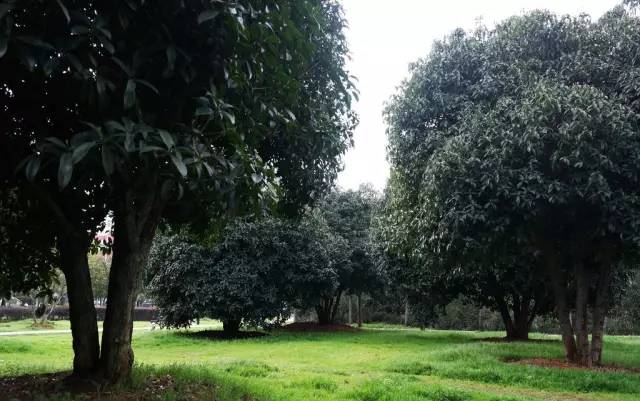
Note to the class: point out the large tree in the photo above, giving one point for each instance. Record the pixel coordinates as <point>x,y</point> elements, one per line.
<point>527,134</point>
<point>139,105</point>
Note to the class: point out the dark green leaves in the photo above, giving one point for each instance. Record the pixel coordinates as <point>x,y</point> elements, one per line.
<point>207,16</point>
<point>130,94</point>
<point>65,169</point>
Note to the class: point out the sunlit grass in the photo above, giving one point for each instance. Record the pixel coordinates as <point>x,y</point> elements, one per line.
<point>375,364</point>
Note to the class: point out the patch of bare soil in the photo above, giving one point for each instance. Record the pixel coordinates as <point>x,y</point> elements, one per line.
<point>221,335</point>
<point>312,326</point>
<point>561,364</point>
<point>155,388</point>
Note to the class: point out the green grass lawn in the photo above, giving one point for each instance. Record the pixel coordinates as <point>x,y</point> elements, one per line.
<point>381,364</point>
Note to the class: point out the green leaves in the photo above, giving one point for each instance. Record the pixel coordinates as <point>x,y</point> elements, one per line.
<point>207,16</point>
<point>130,94</point>
<point>65,169</point>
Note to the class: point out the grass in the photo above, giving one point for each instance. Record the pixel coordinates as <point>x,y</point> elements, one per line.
<point>376,364</point>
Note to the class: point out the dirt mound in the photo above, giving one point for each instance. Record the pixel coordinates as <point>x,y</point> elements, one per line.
<point>221,335</point>
<point>561,364</point>
<point>311,326</point>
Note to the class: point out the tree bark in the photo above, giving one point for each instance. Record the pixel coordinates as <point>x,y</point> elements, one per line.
<point>580,327</point>
<point>82,312</point>
<point>558,284</point>
<point>599,312</point>
<point>231,327</point>
<point>135,223</point>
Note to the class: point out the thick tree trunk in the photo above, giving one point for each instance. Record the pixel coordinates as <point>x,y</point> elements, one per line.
<point>82,312</point>
<point>503,308</point>
<point>522,319</point>
<point>133,236</point>
<point>231,327</point>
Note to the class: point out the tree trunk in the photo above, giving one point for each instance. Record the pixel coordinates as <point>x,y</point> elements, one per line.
<point>599,312</point>
<point>130,251</point>
<point>559,287</point>
<point>359,309</point>
<point>406,312</point>
<point>350,314</point>
<point>324,310</point>
<point>503,308</point>
<point>521,318</point>
<point>231,327</point>
<point>82,312</point>
<point>580,327</point>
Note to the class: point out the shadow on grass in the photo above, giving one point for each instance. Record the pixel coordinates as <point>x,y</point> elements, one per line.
<point>221,335</point>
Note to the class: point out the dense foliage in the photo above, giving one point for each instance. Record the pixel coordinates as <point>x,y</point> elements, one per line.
<point>254,276</point>
<point>167,109</point>
<point>525,135</point>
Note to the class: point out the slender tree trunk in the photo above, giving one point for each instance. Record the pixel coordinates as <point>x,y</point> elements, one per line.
<point>406,312</point>
<point>503,308</point>
<point>599,312</point>
<point>350,314</point>
<point>82,312</point>
<point>559,287</point>
<point>580,328</point>
<point>334,309</point>
<point>231,327</point>
<point>359,309</point>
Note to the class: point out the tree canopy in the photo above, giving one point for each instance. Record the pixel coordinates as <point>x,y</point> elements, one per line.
<point>137,106</point>
<point>528,135</point>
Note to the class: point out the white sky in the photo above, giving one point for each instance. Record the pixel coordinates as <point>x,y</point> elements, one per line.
<point>386,35</point>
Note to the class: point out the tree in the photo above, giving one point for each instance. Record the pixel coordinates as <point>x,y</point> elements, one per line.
<point>254,276</point>
<point>158,102</point>
<point>527,134</point>
<point>349,215</point>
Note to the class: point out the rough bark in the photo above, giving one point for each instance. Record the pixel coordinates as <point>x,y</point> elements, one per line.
<point>558,284</point>
<point>136,219</point>
<point>82,312</point>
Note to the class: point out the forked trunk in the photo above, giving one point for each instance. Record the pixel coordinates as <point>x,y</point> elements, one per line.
<point>82,312</point>
<point>133,235</point>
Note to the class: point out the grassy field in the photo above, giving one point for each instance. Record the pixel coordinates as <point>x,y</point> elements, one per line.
<point>376,364</point>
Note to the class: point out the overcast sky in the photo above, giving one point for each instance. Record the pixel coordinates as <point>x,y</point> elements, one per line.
<point>386,35</point>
